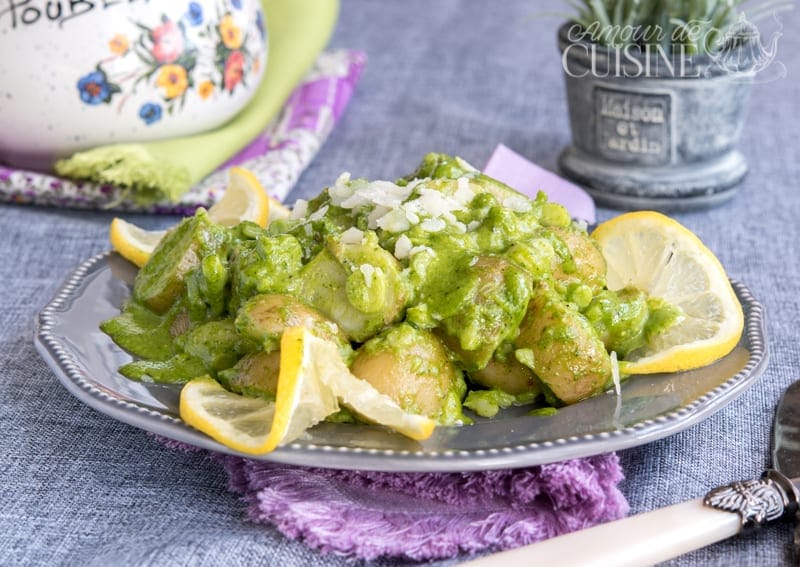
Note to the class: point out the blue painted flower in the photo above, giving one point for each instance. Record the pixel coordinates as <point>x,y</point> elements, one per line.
<point>237,4</point>
<point>260,24</point>
<point>94,88</point>
<point>150,112</point>
<point>195,13</point>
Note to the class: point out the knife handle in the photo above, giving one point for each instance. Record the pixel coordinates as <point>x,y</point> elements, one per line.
<point>665,533</point>
<point>644,539</point>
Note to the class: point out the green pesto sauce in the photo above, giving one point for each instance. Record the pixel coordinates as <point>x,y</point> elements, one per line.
<point>628,319</point>
<point>543,412</point>
<point>142,332</point>
<point>467,274</point>
<point>486,403</point>
<point>662,316</point>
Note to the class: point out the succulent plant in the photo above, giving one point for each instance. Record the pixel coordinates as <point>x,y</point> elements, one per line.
<point>686,26</point>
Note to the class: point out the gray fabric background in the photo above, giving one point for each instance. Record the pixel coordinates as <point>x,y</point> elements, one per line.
<point>451,76</point>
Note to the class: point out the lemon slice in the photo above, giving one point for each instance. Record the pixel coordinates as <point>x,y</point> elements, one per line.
<point>303,399</point>
<point>132,242</point>
<point>656,254</point>
<point>353,392</point>
<point>244,199</point>
<point>313,379</point>
<point>236,421</point>
<point>277,210</point>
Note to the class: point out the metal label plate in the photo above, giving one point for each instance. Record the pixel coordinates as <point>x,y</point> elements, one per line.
<point>633,127</point>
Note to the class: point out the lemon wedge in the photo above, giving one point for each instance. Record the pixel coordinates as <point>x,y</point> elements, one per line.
<point>303,398</point>
<point>132,242</point>
<point>277,210</point>
<point>353,392</point>
<point>312,380</point>
<point>654,253</point>
<point>244,199</point>
<point>236,421</point>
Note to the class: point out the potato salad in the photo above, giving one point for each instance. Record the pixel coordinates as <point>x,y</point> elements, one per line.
<point>446,290</point>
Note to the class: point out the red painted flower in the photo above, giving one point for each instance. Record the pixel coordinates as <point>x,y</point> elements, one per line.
<point>167,42</point>
<point>234,70</point>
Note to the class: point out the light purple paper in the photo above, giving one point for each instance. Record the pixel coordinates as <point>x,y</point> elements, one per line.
<point>526,177</point>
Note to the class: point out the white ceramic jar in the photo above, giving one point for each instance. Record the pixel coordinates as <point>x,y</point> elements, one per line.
<point>75,74</point>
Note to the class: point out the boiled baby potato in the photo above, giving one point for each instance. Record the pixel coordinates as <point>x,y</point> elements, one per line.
<point>584,264</point>
<point>265,317</point>
<point>255,375</point>
<point>163,278</point>
<point>356,284</point>
<point>412,367</point>
<point>508,375</point>
<point>491,314</point>
<point>568,357</point>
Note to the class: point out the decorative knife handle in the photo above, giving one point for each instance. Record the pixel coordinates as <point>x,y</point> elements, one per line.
<point>757,502</point>
<point>662,534</point>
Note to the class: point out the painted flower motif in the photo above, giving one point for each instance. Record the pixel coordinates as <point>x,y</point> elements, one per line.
<point>173,79</point>
<point>119,44</point>
<point>234,70</point>
<point>195,13</point>
<point>150,112</point>
<point>171,54</point>
<point>205,89</point>
<point>167,42</point>
<point>231,33</point>
<point>94,88</point>
<point>262,30</point>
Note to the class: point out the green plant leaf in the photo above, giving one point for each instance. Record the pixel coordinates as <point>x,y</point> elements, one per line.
<point>696,24</point>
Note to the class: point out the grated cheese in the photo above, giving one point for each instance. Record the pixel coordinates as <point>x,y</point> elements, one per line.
<point>402,248</point>
<point>617,389</point>
<point>341,189</point>
<point>319,213</point>
<point>299,209</point>
<point>352,236</point>
<point>421,248</point>
<point>518,203</point>
<point>394,221</point>
<point>433,224</point>
<point>368,270</point>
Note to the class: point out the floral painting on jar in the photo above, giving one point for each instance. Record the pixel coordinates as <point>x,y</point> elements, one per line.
<point>192,54</point>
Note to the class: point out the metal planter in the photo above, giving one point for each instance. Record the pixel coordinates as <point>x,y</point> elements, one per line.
<point>652,131</point>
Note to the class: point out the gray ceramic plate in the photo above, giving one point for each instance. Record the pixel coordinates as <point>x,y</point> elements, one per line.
<point>651,407</point>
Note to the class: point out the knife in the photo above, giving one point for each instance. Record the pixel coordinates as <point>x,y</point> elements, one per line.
<point>652,537</point>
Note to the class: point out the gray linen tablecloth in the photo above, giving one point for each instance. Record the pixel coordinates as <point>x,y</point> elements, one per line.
<point>453,76</point>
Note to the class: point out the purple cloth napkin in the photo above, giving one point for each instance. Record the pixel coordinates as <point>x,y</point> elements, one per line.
<point>425,516</point>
